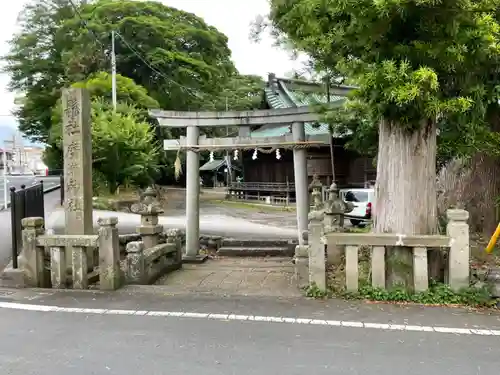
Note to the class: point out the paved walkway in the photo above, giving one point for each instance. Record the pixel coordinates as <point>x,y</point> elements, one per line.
<point>272,276</point>
<point>61,341</point>
<point>139,300</point>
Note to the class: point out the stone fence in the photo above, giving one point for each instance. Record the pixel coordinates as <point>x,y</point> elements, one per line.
<point>78,261</point>
<point>90,258</point>
<point>145,265</point>
<point>311,260</point>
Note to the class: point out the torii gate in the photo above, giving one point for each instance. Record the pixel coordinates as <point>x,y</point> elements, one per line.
<point>193,143</point>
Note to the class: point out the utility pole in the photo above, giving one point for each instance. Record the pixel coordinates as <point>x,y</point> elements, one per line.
<point>113,69</point>
<point>4,161</point>
<point>229,176</point>
<point>332,159</point>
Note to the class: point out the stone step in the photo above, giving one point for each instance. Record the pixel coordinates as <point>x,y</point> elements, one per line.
<point>234,242</point>
<point>248,251</point>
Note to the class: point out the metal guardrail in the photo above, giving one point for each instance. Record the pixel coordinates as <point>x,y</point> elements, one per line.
<point>61,185</point>
<point>26,202</point>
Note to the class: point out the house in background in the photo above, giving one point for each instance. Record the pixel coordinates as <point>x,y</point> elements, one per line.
<point>5,160</point>
<point>22,155</point>
<point>267,175</point>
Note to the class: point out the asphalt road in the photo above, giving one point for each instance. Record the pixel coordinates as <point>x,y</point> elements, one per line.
<point>18,181</point>
<point>57,343</point>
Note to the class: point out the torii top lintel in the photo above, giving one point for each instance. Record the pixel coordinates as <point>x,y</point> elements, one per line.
<point>176,119</point>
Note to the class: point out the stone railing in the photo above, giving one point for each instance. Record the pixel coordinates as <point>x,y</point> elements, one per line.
<point>311,259</point>
<point>145,265</point>
<point>91,258</point>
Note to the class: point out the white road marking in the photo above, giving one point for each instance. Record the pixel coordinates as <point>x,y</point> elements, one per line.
<point>254,318</point>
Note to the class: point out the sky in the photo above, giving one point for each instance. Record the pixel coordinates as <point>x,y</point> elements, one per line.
<point>231,17</point>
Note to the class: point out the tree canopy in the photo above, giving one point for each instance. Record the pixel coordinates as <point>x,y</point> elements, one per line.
<point>174,55</point>
<point>129,95</point>
<point>419,66</point>
<point>412,60</point>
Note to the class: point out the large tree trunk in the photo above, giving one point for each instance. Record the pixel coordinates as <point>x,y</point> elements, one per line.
<point>405,191</point>
<point>486,184</point>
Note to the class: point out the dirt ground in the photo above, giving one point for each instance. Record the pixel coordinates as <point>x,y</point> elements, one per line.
<point>214,203</point>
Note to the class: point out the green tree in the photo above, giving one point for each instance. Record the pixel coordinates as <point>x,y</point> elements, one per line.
<point>123,145</point>
<point>174,55</point>
<point>99,86</point>
<point>414,62</point>
<point>123,148</point>
<point>240,93</point>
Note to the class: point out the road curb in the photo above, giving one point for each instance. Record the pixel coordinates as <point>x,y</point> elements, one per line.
<point>45,191</point>
<point>51,189</point>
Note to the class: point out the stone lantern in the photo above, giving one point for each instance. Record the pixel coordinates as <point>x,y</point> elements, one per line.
<point>149,209</point>
<point>316,186</point>
<point>335,209</point>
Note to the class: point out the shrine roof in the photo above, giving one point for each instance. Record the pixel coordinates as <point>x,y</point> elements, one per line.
<point>287,93</point>
<point>213,165</point>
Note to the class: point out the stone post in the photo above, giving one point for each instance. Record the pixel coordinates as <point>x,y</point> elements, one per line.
<point>77,146</point>
<point>301,261</point>
<point>458,259</point>
<point>317,263</point>
<point>136,266</point>
<point>32,257</point>
<point>335,209</point>
<point>79,267</point>
<point>174,236</point>
<point>110,273</point>
<point>58,274</point>
<point>149,209</point>
<point>193,199</point>
<point>301,181</point>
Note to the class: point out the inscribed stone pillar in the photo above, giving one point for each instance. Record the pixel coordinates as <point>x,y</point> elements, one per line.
<point>193,199</point>
<point>301,181</point>
<point>77,146</point>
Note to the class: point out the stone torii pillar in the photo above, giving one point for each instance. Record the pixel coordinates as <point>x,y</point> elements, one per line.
<point>192,254</point>
<point>301,182</point>
<point>244,120</point>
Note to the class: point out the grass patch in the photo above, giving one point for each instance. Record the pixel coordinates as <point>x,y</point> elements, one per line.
<point>437,294</point>
<point>115,202</point>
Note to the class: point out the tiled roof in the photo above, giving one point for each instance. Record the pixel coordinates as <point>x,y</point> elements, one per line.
<point>275,99</point>
<point>287,93</point>
<point>276,131</point>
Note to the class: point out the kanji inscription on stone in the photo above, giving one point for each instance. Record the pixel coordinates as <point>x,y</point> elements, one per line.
<point>77,144</point>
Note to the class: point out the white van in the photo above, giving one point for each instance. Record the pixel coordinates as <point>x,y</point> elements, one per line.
<point>362,199</point>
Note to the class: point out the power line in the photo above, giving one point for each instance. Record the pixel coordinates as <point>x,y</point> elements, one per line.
<point>138,55</point>
<point>135,52</point>
<point>75,8</point>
